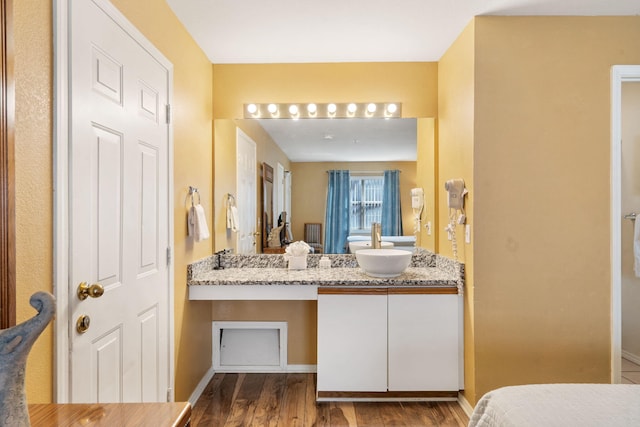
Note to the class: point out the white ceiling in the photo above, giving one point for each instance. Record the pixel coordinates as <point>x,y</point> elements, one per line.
<point>282,31</point>
<point>296,31</point>
<point>332,140</point>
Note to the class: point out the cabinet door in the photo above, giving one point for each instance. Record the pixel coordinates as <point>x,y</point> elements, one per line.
<point>352,342</point>
<point>423,342</point>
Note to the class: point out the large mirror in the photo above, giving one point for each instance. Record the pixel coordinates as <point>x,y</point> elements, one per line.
<point>308,148</point>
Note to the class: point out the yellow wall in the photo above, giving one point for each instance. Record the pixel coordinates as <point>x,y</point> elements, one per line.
<point>301,318</point>
<point>34,186</point>
<point>455,154</point>
<point>309,190</point>
<point>412,83</point>
<point>541,151</point>
<point>192,112</point>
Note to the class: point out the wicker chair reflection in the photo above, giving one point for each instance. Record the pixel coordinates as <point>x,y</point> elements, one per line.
<point>313,236</point>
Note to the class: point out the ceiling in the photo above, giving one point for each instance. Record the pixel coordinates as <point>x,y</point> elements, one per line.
<point>298,31</point>
<point>352,140</point>
<point>283,31</point>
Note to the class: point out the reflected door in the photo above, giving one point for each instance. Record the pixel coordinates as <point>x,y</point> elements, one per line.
<point>246,189</point>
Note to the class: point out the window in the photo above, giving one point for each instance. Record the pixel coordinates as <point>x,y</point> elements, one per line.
<point>366,202</point>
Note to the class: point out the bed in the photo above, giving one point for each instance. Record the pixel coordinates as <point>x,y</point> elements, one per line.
<point>549,405</point>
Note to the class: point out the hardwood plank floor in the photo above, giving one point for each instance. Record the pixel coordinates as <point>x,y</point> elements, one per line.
<point>288,400</point>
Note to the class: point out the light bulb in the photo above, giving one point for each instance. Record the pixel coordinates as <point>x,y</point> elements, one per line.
<point>371,108</point>
<point>331,108</point>
<point>252,108</point>
<point>352,108</point>
<point>312,108</point>
<point>272,108</point>
<point>293,110</point>
<point>392,108</point>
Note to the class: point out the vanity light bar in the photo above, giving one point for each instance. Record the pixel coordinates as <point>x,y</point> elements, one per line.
<point>323,111</point>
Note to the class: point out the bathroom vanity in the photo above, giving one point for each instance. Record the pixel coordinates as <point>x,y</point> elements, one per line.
<point>378,338</point>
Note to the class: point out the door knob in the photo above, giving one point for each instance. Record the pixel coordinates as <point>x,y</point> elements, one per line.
<point>94,291</point>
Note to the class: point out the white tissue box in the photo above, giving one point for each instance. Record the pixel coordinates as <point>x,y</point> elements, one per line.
<point>297,262</point>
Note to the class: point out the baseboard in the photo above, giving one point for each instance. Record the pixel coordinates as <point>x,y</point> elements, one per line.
<point>302,368</point>
<point>386,396</point>
<point>465,405</point>
<point>201,386</point>
<point>306,369</point>
<point>631,357</point>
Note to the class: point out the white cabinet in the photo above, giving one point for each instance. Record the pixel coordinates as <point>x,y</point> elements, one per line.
<point>352,341</point>
<point>388,340</point>
<point>423,342</point>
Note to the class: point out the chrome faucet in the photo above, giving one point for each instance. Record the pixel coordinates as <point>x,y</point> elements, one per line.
<point>376,235</point>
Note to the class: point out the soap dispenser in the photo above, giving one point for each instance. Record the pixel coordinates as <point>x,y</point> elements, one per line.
<point>325,262</point>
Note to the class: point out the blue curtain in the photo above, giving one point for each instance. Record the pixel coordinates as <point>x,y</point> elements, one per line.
<point>391,210</point>
<point>336,220</point>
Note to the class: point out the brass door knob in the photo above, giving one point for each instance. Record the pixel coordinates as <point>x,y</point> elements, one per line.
<point>94,291</point>
<point>82,324</point>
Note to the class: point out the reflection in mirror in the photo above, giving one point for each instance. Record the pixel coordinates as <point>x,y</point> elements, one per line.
<point>366,147</point>
<point>267,204</point>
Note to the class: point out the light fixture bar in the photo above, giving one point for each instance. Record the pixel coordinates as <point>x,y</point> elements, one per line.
<point>323,111</point>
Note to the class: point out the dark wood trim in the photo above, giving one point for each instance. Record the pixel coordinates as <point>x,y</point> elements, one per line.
<point>387,394</point>
<point>422,291</point>
<point>7,171</point>
<point>351,291</point>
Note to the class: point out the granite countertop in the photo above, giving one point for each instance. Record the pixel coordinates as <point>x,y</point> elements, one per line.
<point>348,276</point>
<point>426,269</point>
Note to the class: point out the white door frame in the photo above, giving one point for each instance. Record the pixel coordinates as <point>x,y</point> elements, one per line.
<point>61,234</point>
<point>619,75</point>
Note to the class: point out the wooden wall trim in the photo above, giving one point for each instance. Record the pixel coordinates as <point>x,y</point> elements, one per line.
<point>392,290</point>
<point>431,290</point>
<point>351,291</point>
<point>7,171</point>
<point>387,395</point>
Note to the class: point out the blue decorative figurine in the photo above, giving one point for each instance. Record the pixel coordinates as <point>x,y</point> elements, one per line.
<point>15,344</point>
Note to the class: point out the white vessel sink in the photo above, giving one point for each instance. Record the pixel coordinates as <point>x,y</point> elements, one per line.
<point>366,244</point>
<point>383,262</point>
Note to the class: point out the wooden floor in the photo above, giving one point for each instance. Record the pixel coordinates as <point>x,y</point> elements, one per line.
<point>289,400</point>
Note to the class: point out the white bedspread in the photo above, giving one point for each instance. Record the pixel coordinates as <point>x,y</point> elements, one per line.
<point>566,405</point>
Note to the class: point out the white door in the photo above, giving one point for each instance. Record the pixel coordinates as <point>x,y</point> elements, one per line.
<point>119,211</point>
<point>246,167</point>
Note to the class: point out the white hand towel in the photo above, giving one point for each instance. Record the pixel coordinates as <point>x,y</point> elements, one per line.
<point>232,218</point>
<point>191,221</point>
<point>200,228</point>
<point>636,247</point>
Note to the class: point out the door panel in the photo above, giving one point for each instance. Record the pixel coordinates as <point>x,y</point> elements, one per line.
<point>106,357</point>
<point>108,211</point>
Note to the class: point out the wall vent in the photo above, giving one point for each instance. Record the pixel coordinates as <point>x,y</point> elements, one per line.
<point>249,346</point>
